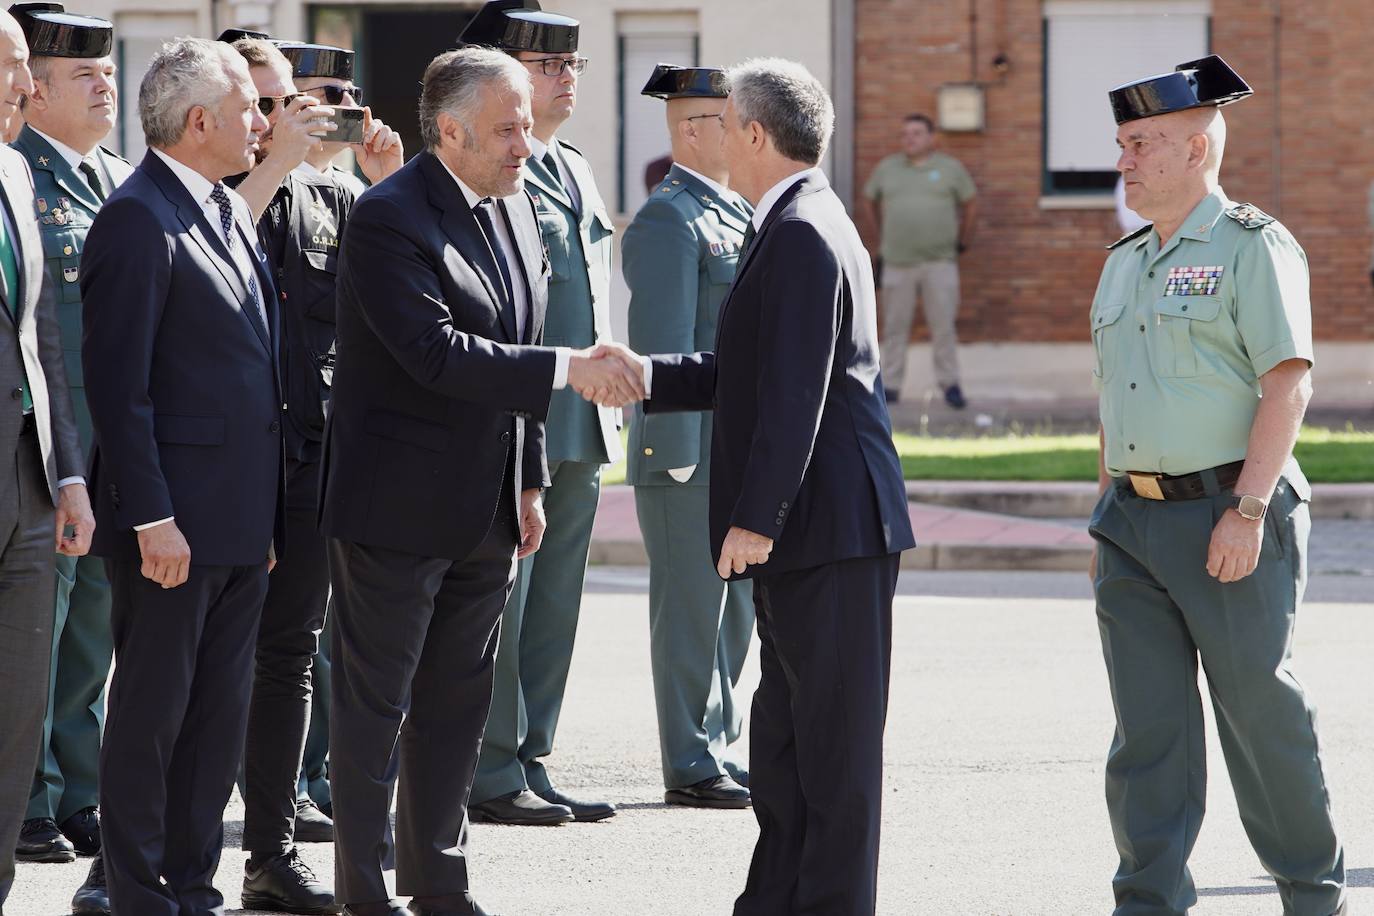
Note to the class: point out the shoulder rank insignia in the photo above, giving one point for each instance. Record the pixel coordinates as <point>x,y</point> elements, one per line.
<point>1249,216</point>
<point>1126,238</point>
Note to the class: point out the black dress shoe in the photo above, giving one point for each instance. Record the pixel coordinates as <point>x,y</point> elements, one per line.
<point>954,397</point>
<point>41,841</point>
<point>583,811</point>
<point>521,809</point>
<point>391,908</point>
<point>312,825</point>
<point>416,909</point>
<point>285,884</point>
<point>93,898</point>
<point>716,792</point>
<point>83,829</point>
<point>739,775</point>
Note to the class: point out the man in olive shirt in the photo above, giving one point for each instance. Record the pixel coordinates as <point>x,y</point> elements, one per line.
<point>923,202</point>
<point>1203,522</point>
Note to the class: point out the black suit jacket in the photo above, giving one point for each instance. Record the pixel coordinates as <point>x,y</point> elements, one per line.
<point>182,386</point>
<point>434,397</point>
<point>802,447</point>
<point>30,340</point>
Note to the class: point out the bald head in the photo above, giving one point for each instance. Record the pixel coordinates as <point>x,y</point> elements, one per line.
<point>1170,161</point>
<point>695,130</point>
<point>15,79</point>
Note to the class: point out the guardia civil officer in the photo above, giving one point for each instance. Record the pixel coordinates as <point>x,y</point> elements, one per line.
<point>70,111</point>
<point>540,618</point>
<point>301,210</point>
<point>1203,333</point>
<point>679,257</point>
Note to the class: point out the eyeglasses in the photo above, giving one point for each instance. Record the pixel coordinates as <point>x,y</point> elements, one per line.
<point>334,95</point>
<point>267,103</point>
<point>718,117</point>
<point>554,66</point>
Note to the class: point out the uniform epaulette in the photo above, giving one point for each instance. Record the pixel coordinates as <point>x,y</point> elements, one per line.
<point>668,188</point>
<point>1130,235</point>
<point>1249,216</point>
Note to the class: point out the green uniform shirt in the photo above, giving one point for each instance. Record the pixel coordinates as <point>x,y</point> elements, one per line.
<point>1183,334</point>
<point>920,207</point>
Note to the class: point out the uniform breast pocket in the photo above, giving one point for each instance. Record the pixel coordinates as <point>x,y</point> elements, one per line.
<point>1179,340</point>
<point>553,230</point>
<point>1106,338</point>
<point>62,251</point>
<point>720,269</point>
<point>320,275</point>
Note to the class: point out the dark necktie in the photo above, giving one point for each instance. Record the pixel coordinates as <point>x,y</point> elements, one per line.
<point>749,234</point>
<point>226,219</point>
<point>93,179</point>
<point>484,211</point>
<point>552,165</point>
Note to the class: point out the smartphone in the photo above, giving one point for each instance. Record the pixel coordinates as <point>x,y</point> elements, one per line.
<point>350,126</point>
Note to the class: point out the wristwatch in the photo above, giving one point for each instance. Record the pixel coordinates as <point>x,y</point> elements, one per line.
<point>1251,507</point>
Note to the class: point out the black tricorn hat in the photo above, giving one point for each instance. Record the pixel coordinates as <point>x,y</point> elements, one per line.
<point>520,25</point>
<point>318,60</point>
<point>1195,84</point>
<point>52,32</point>
<point>669,82</point>
<point>229,36</point>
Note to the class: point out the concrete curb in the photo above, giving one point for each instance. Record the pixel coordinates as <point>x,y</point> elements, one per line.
<point>928,557</point>
<point>1061,499</point>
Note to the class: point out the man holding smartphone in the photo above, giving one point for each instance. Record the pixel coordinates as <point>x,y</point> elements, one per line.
<point>300,221</point>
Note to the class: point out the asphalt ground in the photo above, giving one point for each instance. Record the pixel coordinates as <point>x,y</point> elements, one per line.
<point>998,727</point>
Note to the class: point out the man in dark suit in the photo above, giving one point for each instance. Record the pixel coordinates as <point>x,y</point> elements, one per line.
<point>433,466</point>
<point>179,351</point>
<point>43,464</point>
<point>806,498</point>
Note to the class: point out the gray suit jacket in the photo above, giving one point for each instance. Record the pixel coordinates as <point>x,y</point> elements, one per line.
<point>33,345</point>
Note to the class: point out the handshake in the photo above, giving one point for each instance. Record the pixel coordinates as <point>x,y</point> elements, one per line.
<point>609,374</point>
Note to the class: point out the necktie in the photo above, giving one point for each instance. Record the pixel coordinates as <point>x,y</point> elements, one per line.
<point>569,187</point>
<point>485,219</point>
<point>93,179</point>
<point>749,234</point>
<point>551,164</point>
<point>226,219</point>
<point>9,270</point>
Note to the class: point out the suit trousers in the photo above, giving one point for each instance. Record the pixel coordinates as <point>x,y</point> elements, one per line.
<point>314,779</point>
<point>26,615</point>
<point>816,738</point>
<point>414,649</point>
<point>699,634</point>
<point>1160,614</point>
<point>174,732</point>
<point>538,627</point>
<point>936,285</point>
<point>292,618</point>
<point>66,781</point>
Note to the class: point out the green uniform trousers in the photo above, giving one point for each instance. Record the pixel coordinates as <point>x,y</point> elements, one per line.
<point>699,632</point>
<point>82,646</point>
<point>538,627</point>
<point>1160,613</point>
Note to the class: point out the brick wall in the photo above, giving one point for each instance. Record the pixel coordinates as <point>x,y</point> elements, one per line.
<point>1032,271</point>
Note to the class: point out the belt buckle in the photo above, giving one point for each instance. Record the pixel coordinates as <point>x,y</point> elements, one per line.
<point>1146,485</point>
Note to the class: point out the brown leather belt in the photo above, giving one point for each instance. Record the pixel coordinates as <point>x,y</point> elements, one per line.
<point>1184,486</point>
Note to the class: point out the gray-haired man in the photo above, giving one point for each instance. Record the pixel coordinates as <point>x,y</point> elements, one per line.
<point>434,464</point>
<point>179,353</point>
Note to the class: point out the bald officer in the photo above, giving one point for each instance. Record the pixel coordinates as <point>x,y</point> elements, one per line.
<point>1203,522</point>
<point>679,257</point>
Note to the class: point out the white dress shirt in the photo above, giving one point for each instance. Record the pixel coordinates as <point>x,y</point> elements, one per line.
<point>200,189</point>
<point>537,150</point>
<point>562,355</point>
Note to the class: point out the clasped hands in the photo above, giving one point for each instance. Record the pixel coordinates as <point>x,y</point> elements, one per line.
<point>609,374</point>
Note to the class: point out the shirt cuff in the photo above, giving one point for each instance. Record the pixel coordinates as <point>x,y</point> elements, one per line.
<point>562,357</point>
<point>648,365</point>
<point>68,481</point>
<point>145,527</point>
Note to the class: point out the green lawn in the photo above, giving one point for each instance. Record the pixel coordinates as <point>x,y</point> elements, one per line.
<point>1327,456</point>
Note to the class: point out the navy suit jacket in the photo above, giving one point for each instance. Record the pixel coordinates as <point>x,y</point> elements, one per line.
<point>182,385</point>
<point>802,448</point>
<point>437,404</point>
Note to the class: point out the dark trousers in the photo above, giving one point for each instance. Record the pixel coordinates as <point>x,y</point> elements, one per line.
<point>292,617</point>
<point>26,615</point>
<point>174,732</point>
<point>816,738</point>
<point>414,646</point>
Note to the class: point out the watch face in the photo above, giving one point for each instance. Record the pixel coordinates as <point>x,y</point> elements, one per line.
<point>1252,507</point>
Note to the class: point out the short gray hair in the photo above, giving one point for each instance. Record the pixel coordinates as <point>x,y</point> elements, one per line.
<point>453,85</point>
<point>184,73</point>
<point>788,102</point>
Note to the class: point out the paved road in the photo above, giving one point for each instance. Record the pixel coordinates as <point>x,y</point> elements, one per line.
<point>998,728</point>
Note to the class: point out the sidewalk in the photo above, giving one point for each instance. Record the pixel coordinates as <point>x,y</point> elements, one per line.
<point>947,537</point>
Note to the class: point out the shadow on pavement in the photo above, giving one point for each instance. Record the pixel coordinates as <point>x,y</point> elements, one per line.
<point>1354,877</point>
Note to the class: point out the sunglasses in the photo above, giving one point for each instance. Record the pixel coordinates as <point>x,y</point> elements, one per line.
<point>334,95</point>
<point>554,66</point>
<point>268,103</point>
